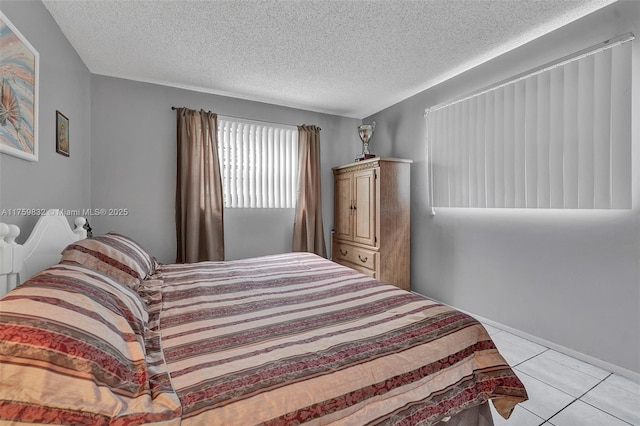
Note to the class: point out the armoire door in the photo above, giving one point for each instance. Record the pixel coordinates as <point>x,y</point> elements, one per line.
<point>364,227</point>
<point>343,207</point>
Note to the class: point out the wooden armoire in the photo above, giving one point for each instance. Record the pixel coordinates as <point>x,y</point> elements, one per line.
<point>372,221</point>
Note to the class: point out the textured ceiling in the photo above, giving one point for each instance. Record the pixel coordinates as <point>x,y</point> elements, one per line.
<point>349,58</point>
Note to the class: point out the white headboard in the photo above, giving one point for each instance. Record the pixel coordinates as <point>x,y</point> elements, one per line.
<point>52,233</point>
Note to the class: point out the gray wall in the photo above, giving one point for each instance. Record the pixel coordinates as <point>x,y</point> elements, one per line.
<point>133,164</point>
<point>569,277</point>
<point>54,181</point>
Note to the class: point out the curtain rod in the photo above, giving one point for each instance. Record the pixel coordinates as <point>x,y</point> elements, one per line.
<point>247,119</point>
<point>175,108</point>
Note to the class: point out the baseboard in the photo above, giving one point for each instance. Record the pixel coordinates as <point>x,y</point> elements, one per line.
<point>630,374</point>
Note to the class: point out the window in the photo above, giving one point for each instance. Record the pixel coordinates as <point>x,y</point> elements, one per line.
<point>559,137</point>
<point>259,164</point>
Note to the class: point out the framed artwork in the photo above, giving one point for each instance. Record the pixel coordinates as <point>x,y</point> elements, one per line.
<point>62,134</point>
<point>19,63</point>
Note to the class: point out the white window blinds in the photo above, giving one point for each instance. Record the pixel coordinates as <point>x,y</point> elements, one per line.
<point>556,138</point>
<point>259,164</point>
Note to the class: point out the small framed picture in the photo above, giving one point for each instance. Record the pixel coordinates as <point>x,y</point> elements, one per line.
<point>62,134</point>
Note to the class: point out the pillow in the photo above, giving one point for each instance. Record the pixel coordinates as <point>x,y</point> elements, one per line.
<point>75,349</point>
<point>97,286</point>
<point>113,254</point>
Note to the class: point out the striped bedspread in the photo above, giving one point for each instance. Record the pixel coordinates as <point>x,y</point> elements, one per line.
<point>295,338</point>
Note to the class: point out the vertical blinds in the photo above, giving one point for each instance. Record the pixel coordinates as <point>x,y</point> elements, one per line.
<point>556,138</point>
<point>259,164</point>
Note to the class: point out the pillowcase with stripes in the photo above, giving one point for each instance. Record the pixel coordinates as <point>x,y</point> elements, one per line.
<point>113,254</point>
<point>76,349</point>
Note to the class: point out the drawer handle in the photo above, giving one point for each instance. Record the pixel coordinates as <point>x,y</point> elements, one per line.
<point>343,252</point>
<point>362,260</point>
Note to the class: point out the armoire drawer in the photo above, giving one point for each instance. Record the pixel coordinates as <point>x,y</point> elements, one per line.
<point>357,255</point>
<point>363,271</point>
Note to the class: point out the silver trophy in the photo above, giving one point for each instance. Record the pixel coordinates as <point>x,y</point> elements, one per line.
<point>366,133</point>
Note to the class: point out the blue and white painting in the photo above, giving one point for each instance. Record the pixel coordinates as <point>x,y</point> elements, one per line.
<point>18,93</point>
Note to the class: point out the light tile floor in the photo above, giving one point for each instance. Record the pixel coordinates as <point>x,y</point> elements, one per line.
<point>564,391</point>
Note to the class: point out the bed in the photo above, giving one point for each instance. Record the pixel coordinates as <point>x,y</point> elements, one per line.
<point>107,335</point>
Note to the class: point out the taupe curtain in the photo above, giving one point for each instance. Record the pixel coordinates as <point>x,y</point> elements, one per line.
<point>308,232</point>
<point>199,202</point>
